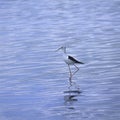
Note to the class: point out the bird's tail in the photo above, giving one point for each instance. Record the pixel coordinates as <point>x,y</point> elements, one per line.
<point>80,62</point>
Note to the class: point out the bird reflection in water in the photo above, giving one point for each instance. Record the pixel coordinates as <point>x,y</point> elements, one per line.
<point>71,94</point>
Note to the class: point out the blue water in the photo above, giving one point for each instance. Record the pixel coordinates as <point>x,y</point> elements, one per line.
<point>33,77</point>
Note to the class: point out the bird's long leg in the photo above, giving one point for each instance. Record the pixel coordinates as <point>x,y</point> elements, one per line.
<point>70,71</point>
<point>76,70</point>
<point>70,78</point>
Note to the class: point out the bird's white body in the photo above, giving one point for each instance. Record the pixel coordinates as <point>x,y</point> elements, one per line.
<point>67,60</point>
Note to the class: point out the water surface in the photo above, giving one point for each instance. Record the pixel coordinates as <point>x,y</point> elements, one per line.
<point>34,78</point>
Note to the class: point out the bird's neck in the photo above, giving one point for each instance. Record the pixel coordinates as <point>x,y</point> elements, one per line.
<point>64,50</point>
<point>64,54</point>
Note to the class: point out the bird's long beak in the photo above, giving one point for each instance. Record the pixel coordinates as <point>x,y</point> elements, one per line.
<point>58,49</point>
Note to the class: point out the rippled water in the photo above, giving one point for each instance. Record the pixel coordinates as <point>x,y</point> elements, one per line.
<point>34,79</point>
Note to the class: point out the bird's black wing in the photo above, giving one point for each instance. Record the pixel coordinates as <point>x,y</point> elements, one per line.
<point>74,60</point>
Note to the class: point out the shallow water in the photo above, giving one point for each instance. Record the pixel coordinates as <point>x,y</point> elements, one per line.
<point>34,80</point>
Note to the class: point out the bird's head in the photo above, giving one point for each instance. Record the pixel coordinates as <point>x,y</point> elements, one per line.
<point>62,48</point>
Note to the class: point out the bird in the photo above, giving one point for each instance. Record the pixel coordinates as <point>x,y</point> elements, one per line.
<point>69,60</point>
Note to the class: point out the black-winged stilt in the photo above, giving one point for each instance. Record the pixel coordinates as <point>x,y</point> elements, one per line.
<point>69,60</point>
